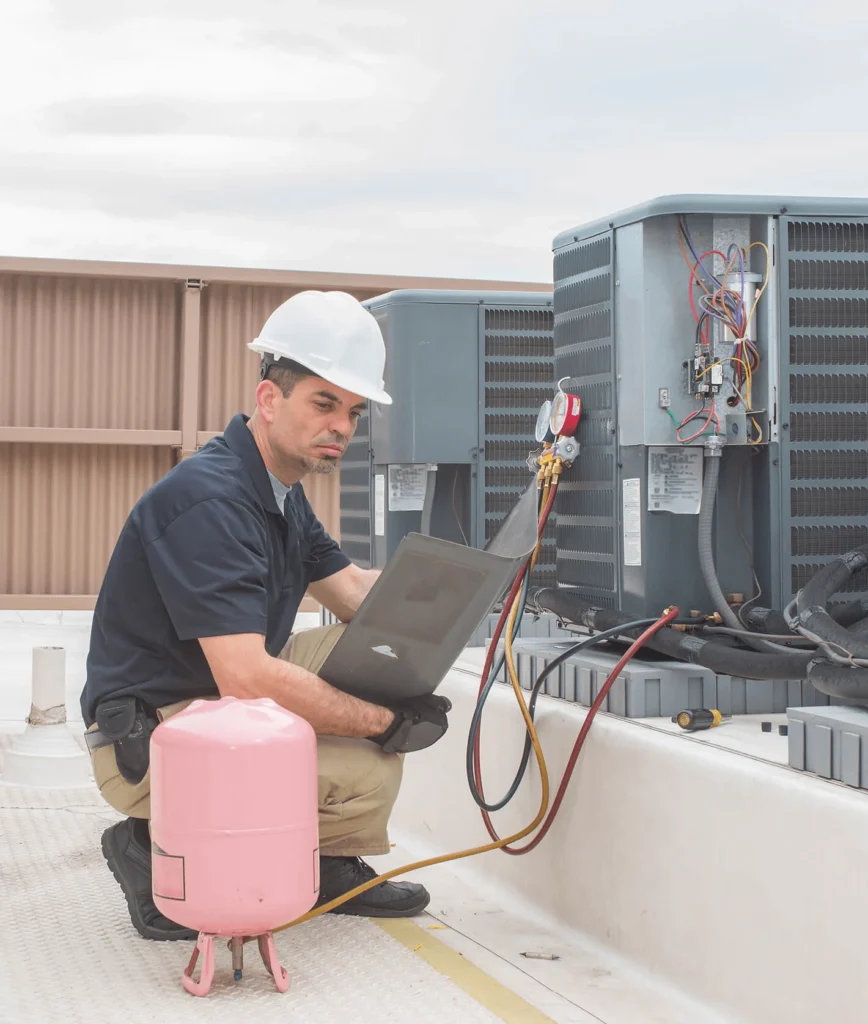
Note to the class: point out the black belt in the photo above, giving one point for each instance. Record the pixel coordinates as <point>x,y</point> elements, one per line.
<point>96,738</point>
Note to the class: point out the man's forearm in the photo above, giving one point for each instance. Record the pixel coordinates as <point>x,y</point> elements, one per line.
<point>329,711</point>
<point>344,592</point>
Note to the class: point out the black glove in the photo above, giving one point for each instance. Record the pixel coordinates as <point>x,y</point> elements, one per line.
<point>418,723</point>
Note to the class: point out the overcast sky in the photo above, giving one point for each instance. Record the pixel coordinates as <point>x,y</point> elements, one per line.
<point>453,138</point>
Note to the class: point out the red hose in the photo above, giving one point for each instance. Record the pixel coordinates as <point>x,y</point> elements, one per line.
<point>664,620</point>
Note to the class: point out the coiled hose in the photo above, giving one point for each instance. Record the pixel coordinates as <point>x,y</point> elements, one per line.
<point>813,619</point>
<point>812,616</point>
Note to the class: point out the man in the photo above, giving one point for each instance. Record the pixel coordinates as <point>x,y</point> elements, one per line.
<point>200,596</point>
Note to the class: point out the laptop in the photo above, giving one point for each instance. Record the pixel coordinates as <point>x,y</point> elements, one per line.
<point>425,607</point>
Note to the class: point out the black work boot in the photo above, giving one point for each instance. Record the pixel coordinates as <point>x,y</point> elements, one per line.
<point>338,875</point>
<point>126,847</point>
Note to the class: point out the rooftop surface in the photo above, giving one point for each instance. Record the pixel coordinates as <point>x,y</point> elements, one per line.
<point>651,815</point>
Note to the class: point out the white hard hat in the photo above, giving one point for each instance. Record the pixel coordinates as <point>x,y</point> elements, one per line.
<point>333,336</point>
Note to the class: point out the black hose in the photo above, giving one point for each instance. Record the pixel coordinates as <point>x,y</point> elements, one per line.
<point>770,620</point>
<point>639,624</point>
<point>849,614</point>
<point>811,611</point>
<point>496,667</point>
<point>708,653</point>
<point>766,620</point>
<point>850,684</point>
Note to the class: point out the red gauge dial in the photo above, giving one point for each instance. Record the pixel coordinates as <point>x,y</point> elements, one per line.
<point>566,413</point>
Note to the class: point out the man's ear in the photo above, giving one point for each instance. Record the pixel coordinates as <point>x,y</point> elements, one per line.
<point>267,396</point>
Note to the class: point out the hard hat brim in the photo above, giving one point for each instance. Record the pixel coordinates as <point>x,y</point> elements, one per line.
<point>341,379</point>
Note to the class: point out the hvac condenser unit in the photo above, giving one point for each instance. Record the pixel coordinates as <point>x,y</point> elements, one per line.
<point>713,327</point>
<point>468,372</point>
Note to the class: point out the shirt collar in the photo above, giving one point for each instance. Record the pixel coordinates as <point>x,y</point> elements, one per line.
<point>280,491</point>
<point>239,438</point>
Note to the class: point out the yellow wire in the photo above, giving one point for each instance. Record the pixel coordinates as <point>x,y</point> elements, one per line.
<point>758,295</point>
<point>725,359</point>
<point>765,248</point>
<point>488,847</point>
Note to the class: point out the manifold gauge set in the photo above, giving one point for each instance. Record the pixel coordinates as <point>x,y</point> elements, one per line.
<point>556,427</point>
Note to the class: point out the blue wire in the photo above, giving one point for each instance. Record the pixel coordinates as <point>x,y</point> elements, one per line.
<point>689,241</point>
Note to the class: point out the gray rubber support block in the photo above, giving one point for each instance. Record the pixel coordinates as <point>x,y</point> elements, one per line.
<point>648,688</point>
<point>831,742</point>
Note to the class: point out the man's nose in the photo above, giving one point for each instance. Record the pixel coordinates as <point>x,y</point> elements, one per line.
<point>342,424</point>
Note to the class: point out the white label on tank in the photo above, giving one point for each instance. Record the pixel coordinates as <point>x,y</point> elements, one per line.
<point>380,505</point>
<point>407,485</point>
<point>675,480</point>
<point>632,521</point>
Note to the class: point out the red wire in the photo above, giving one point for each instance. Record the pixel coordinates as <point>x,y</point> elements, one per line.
<point>712,415</point>
<point>664,620</point>
<point>694,279</point>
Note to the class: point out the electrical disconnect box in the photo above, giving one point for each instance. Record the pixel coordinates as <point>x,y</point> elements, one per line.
<point>700,328</point>
<point>468,372</point>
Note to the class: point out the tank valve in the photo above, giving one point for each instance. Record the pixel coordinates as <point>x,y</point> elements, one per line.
<point>237,947</point>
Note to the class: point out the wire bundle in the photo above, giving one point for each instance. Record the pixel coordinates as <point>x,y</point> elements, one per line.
<point>726,306</point>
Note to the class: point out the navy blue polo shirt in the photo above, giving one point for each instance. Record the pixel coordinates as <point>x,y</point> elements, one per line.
<point>205,552</point>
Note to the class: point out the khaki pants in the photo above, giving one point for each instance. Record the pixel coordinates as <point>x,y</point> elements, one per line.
<point>358,783</point>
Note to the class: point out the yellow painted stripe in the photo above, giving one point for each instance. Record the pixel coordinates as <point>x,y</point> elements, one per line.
<point>497,998</point>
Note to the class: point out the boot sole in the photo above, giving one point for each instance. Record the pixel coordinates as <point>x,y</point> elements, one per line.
<point>360,910</point>
<point>146,931</point>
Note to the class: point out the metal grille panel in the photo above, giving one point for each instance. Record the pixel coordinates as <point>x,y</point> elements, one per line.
<point>842,236</point>
<point>828,350</point>
<point>828,465</point>
<point>829,275</point>
<point>814,541</point>
<point>802,573</point>
<point>356,525</point>
<point>584,353</point>
<point>518,376</point>
<point>824,374</point>
<point>828,389</point>
<point>828,426</point>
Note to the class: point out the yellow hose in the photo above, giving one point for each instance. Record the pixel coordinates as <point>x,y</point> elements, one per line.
<point>537,749</point>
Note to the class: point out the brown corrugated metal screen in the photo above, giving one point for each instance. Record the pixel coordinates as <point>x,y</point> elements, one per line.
<point>109,373</point>
<point>62,507</point>
<point>79,352</point>
<point>232,316</point>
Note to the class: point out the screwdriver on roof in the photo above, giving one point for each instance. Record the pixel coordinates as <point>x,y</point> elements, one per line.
<point>694,719</point>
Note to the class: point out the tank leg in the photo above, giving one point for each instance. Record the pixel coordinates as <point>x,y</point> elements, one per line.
<point>205,945</point>
<point>269,958</point>
<point>236,944</point>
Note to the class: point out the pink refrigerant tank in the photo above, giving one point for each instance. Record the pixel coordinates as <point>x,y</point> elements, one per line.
<point>234,826</point>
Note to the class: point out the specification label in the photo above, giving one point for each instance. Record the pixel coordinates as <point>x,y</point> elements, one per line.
<point>632,521</point>
<point>407,485</point>
<point>379,504</point>
<point>675,480</point>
